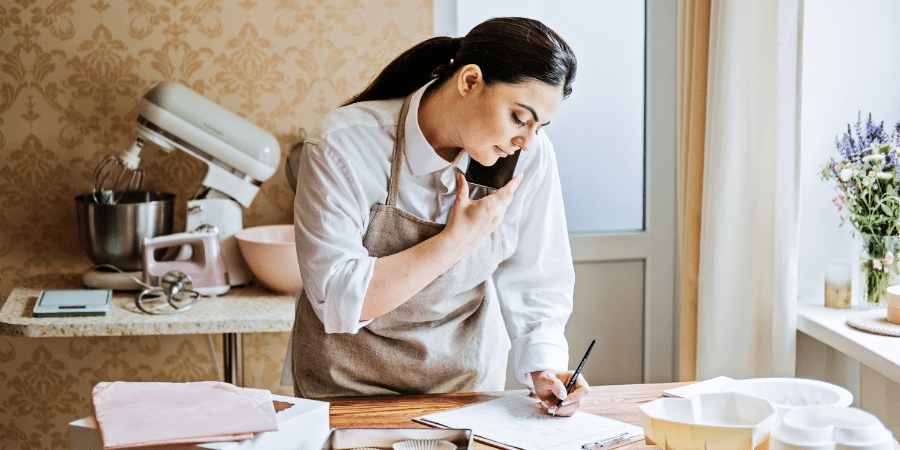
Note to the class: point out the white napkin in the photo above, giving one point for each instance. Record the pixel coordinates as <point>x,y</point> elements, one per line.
<point>131,414</point>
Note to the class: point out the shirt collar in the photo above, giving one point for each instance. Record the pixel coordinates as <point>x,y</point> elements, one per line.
<point>420,156</point>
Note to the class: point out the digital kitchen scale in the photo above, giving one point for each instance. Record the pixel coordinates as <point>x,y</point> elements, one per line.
<point>84,302</point>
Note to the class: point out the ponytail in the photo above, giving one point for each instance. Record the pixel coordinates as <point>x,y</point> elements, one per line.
<point>507,49</point>
<point>411,70</point>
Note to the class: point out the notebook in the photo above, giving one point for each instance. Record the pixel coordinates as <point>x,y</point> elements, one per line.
<point>516,421</point>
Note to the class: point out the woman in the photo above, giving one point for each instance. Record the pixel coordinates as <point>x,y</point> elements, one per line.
<point>407,281</point>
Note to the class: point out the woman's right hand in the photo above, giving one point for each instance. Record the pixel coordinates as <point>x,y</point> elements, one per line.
<point>399,276</point>
<point>471,221</point>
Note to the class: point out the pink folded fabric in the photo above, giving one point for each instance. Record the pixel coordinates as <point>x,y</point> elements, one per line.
<point>143,414</point>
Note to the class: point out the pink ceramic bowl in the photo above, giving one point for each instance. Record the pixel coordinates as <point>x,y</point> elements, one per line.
<point>272,256</point>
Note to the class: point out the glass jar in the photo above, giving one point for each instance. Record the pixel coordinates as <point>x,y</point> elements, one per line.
<point>878,269</point>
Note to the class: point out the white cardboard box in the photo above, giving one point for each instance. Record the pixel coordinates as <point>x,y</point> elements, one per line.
<point>304,426</point>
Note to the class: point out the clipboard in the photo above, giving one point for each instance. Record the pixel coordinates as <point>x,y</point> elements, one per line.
<point>516,422</point>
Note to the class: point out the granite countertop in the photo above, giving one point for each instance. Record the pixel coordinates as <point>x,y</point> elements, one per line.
<point>250,309</point>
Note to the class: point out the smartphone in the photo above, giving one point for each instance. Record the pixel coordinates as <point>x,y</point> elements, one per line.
<point>494,177</point>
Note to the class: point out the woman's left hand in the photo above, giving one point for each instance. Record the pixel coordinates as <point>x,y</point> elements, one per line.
<point>550,387</point>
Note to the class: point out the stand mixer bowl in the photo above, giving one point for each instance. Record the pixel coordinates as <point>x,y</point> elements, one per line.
<point>114,233</point>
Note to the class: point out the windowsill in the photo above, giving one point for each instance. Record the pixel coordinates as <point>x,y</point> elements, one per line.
<point>828,325</point>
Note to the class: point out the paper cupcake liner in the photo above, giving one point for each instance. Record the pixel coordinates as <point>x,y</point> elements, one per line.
<point>425,444</point>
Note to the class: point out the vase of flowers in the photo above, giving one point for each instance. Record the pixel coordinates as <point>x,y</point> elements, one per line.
<point>878,268</point>
<point>867,179</point>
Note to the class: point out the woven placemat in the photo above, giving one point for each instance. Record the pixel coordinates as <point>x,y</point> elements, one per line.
<point>874,321</point>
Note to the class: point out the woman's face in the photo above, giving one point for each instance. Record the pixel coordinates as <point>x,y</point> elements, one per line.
<point>502,118</point>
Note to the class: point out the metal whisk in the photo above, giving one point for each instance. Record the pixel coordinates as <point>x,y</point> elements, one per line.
<point>118,168</point>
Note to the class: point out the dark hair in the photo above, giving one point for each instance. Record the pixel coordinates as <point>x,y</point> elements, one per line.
<point>507,49</point>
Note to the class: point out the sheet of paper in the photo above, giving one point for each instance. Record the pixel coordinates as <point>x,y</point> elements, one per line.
<point>711,385</point>
<point>518,421</point>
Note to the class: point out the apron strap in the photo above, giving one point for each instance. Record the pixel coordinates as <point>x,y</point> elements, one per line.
<point>397,158</point>
<point>292,162</point>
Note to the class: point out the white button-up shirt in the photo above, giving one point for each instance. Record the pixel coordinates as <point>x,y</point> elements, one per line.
<point>344,172</point>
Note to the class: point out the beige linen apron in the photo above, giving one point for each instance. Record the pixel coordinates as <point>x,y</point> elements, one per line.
<point>449,337</point>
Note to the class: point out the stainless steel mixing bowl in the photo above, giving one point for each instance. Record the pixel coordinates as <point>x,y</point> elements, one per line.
<point>114,233</point>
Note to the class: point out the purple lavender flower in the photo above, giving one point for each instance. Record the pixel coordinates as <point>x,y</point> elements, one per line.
<point>875,133</point>
<point>892,159</point>
<point>859,133</point>
<point>847,147</point>
<point>855,149</point>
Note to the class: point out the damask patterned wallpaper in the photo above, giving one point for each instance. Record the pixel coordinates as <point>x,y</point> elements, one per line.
<point>72,73</point>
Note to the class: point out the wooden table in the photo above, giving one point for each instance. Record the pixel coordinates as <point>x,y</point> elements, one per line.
<point>251,309</point>
<point>614,402</point>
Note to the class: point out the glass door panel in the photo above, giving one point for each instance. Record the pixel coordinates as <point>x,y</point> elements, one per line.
<point>598,130</point>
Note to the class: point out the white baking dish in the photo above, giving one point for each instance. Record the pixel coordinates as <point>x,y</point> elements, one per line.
<point>821,427</point>
<point>791,393</point>
<point>721,421</point>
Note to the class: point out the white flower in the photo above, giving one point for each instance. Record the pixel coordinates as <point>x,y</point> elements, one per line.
<point>884,175</point>
<point>873,157</point>
<point>846,174</point>
<point>876,264</point>
<point>889,258</point>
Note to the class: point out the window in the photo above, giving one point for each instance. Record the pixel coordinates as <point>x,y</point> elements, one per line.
<point>598,131</point>
<point>621,222</point>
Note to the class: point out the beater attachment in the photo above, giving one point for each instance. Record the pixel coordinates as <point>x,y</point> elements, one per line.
<point>123,170</point>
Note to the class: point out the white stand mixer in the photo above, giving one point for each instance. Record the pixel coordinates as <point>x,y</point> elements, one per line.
<point>239,156</point>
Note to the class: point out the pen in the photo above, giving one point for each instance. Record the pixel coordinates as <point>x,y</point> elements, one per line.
<point>612,442</point>
<point>575,375</point>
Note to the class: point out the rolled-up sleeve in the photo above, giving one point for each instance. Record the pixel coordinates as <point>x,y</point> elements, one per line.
<point>535,283</point>
<point>330,217</point>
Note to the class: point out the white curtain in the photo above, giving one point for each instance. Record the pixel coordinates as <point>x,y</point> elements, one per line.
<point>747,290</point>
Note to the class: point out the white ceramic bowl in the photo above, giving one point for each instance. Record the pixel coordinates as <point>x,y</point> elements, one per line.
<point>724,421</point>
<point>820,427</point>
<point>271,254</point>
<point>791,393</point>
